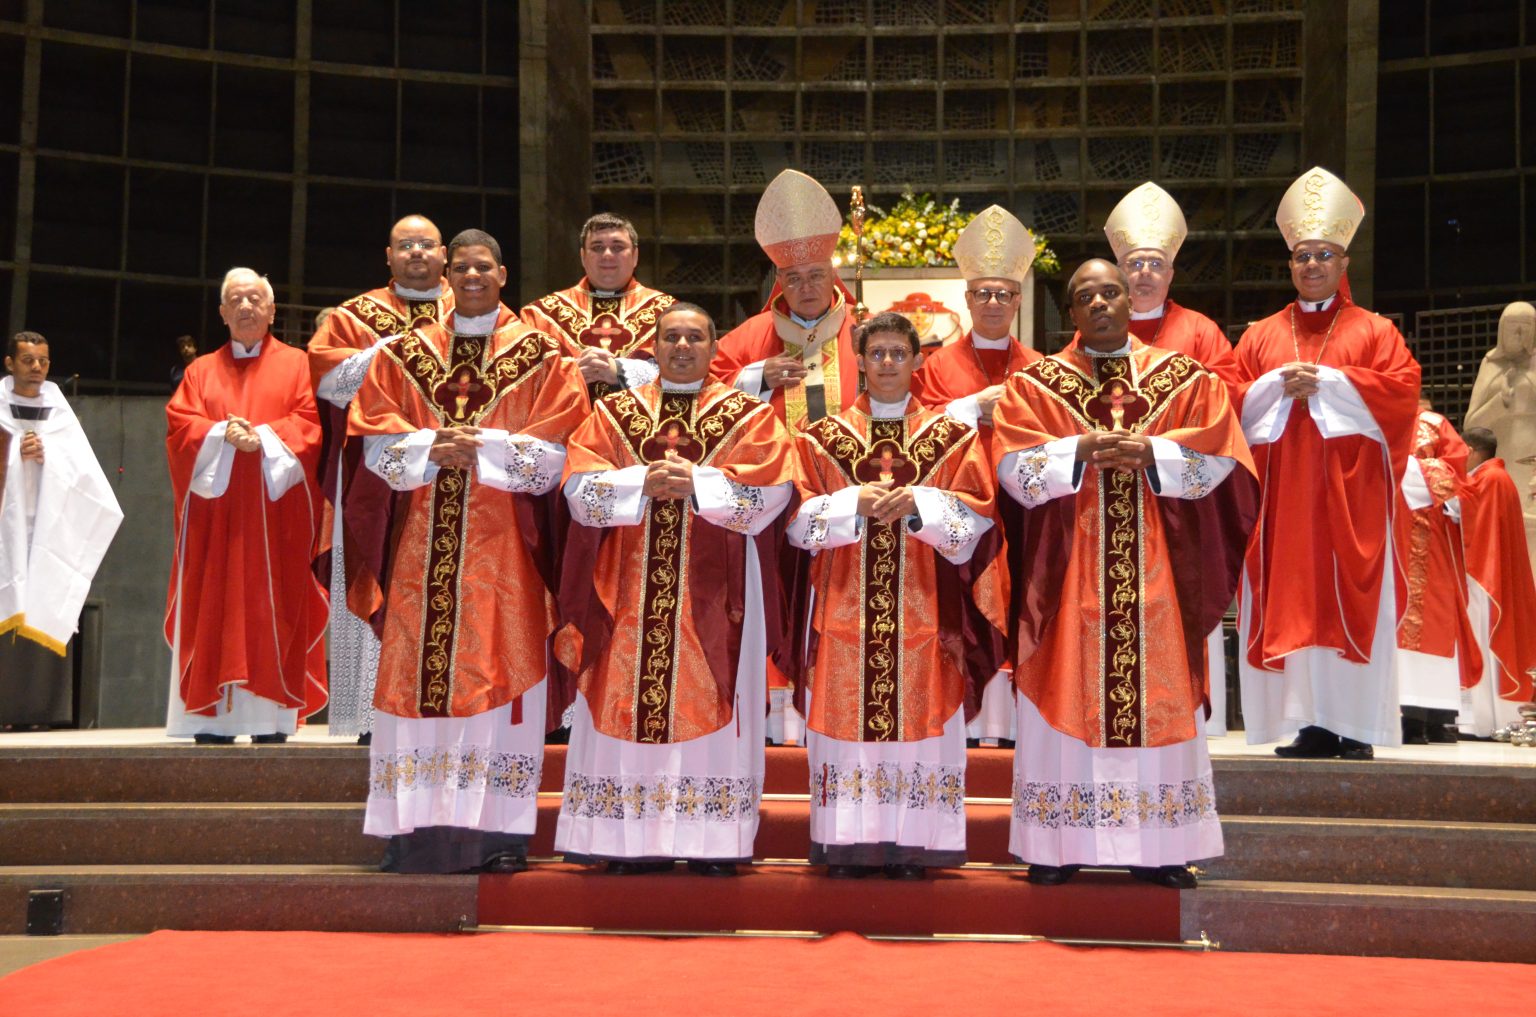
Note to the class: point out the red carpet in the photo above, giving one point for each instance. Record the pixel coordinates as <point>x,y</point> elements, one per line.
<point>288,973</point>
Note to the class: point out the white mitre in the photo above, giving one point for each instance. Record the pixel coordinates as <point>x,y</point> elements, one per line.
<point>995,245</point>
<point>1146,219</point>
<point>1319,206</point>
<point>797,221</point>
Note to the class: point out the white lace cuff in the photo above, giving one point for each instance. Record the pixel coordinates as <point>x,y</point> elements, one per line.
<point>1184,473</point>
<point>518,463</point>
<point>634,372</point>
<point>947,524</point>
<point>279,466</point>
<point>210,473</point>
<point>608,497</point>
<point>403,460</point>
<point>341,382</point>
<point>739,508</point>
<point>1034,476</point>
<point>1416,486</point>
<point>827,521</point>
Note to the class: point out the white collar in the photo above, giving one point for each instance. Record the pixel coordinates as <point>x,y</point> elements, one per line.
<point>809,322</point>
<point>1121,352</point>
<point>410,294</point>
<point>982,343</point>
<point>681,386</point>
<point>480,324</point>
<point>1316,305</point>
<point>1156,312</point>
<point>242,353</point>
<point>44,396</point>
<point>887,411</point>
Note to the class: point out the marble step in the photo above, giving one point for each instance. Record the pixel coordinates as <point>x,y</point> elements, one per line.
<point>1409,853</point>
<point>1383,921</point>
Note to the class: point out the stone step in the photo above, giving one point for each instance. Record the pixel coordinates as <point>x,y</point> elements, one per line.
<point>1393,852</point>
<point>1381,921</point>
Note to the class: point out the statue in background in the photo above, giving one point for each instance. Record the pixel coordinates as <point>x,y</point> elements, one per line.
<point>1504,401</point>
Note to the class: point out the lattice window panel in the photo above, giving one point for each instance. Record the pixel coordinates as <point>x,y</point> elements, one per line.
<point>1120,107</point>
<point>974,162</point>
<point>1263,102</point>
<point>905,111</point>
<point>624,12</point>
<point>1254,211</point>
<point>1205,208</point>
<point>747,268</point>
<point>620,163</point>
<point>602,61</point>
<point>1251,305</point>
<point>851,67</point>
<point>1193,157</point>
<point>747,165</point>
<point>1047,55</point>
<point>693,59</point>
<point>1265,6</point>
<point>1044,159</point>
<point>1449,345</point>
<point>610,112</point>
<point>838,12</point>
<point>1118,53</point>
<point>1202,263</point>
<point>766,115</point>
<point>905,163</point>
<point>743,215</point>
<point>1032,10</point>
<point>697,13</point>
<point>1056,213</point>
<point>906,12</point>
<point>834,162</point>
<point>1120,158</point>
<point>1193,105</point>
<point>757,62</point>
<point>707,162</point>
<point>975,12</point>
<point>1046,109</point>
<point>1119,10</point>
<point>704,269</point>
<point>972,111</point>
<point>905,60</point>
<point>697,112</point>
<point>1266,47</point>
<point>1259,269</point>
<point>1254,154</point>
<point>1191,8</point>
<point>973,58</point>
<point>833,113</point>
<point>1192,49</point>
<point>764,13</point>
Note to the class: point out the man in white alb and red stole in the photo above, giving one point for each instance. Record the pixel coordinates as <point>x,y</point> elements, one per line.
<point>1140,495</point>
<point>608,320</point>
<point>339,354</point>
<point>1329,397</point>
<point>965,378</point>
<point>1437,654</point>
<point>1146,230</point>
<point>244,616</point>
<point>669,598</point>
<point>906,618</point>
<point>1502,594</point>
<point>465,420</point>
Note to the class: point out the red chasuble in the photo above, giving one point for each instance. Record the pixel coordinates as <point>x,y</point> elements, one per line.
<point>653,613</point>
<point>1319,555</point>
<point>1192,334</point>
<point>1429,545</point>
<point>1143,578</point>
<point>251,612</point>
<point>771,333</point>
<point>1494,530</point>
<point>470,601</point>
<point>624,325</point>
<point>899,637</point>
<point>960,370</point>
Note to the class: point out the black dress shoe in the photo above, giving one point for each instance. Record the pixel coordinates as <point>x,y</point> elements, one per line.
<point>906,873</point>
<point>850,871</point>
<point>973,743</point>
<point>1441,734</point>
<point>505,863</point>
<point>366,738</point>
<point>1174,877</point>
<point>637,868</point>
<point>1051,875</point>
<point>1311,743</point>
<point>1351,749</point>
<point>213,739</point>
<point>1006,743</point>
<point>703,868</point>
<point>1414,731</point>
<point>276,738</point>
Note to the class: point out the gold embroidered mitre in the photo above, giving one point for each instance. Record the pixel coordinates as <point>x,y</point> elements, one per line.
<point>1319,206</point>
<point>995,245</point>
<point>797,221</point>
<point>1147,219</point>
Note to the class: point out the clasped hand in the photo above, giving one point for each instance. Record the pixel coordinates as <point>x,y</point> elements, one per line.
<point>598,364</point>
<point>671,477</point>
<point>885,502</point>
<point>1118,450</point>
<point>782,370</point>
<point>32,447</point>
<point>454,447</point>
<point>1300,379</point>
<point>239,433</point>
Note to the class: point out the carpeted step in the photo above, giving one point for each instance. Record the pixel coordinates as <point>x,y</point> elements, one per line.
<point>1381,921</point>
<point>797,897</point>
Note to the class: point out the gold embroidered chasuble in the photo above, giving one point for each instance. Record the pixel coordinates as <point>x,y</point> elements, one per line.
<point>624,325</point>
<point>359,323</point>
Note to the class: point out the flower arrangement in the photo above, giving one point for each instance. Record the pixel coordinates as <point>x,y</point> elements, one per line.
<point>919,232</point>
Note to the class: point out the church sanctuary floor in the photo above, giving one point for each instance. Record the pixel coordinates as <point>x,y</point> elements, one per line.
<point>1427,851</point>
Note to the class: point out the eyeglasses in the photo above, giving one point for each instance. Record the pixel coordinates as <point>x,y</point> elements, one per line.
<point>618,250</point>
<point>1307,257</point>
<point>1001,296</point>
<point>894,355</point>
<point>800,282</point>
<point>1143,264</point>
<point>418,245</point>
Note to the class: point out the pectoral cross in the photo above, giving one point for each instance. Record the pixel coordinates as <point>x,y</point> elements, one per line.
<point>461,388</point>
<point>889,460</point>
<point>1118,397</point>
<point>606,331</point>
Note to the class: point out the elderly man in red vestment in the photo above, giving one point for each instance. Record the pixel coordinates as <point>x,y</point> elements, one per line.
<point>966,378</point>
<point>465,420</point>
<point>343,346</point>
<point>608,320</point>
<point>1140,495</point>
<point>1329,397</point>
<point>245,617</point>
<point>1502,594</point>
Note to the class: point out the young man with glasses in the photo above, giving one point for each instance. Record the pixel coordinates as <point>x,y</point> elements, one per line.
<point>339,353</point>
<point>1330,395</point>
<point>907,613</point>
<point>607,321</point>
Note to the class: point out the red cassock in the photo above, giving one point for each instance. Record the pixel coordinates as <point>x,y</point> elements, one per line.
<point>1192,334</point>
<point>251,611</point>
<point>1493,528</point>
<point>1429,545</point>
<point>1319,555</point>
<point>960,370</point>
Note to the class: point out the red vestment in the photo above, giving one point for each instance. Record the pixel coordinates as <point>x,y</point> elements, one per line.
<point>1318,557</point>
<point>772,333</point>
<point>960,370</point>
<point>250,610</point>
<point>1192,334</point>
<point>624,325</point>
<point>1493,528</point>
<point>1143,578</point>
